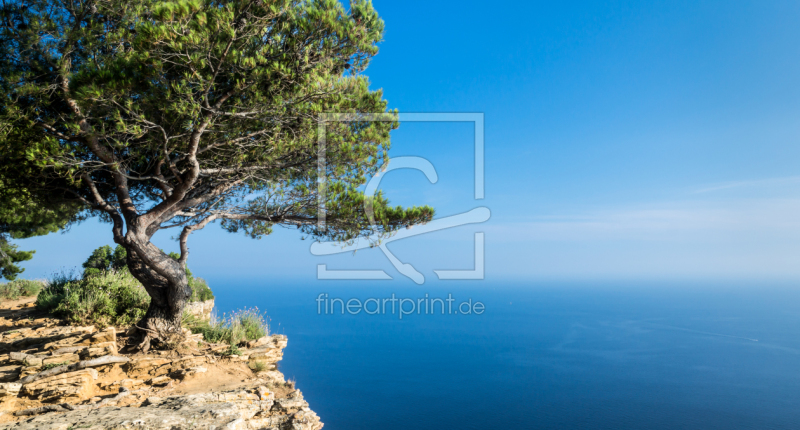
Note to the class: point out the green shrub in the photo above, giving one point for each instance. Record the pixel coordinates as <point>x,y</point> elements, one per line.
<point>254,325</point>
<point>30,288</point>
<point>106,294</point>
<point>258,366</point>
<point>200,290</point>
<point>9,292</point>
<point>108,298</point>
<point>54,292</point>
<point>20,288</point>
<point>103,259</point>
<point>236,328</point>
<point>233,350</point>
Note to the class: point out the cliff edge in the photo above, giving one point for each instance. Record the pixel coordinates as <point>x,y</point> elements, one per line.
<point>54,376</point>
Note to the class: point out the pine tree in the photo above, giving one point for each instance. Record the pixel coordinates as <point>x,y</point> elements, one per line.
<point>161,115</point>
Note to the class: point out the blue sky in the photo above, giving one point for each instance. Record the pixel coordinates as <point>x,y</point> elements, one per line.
<point>654,140</point>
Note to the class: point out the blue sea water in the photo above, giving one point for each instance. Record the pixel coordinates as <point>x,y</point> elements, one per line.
<point>543,356</point>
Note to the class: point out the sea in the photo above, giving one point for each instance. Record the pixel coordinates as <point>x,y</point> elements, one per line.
<point>534,355</point>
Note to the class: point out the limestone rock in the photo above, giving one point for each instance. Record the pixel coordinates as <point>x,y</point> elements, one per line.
<point>280,341</point>
<point>263,341</point>
<point>98,350</point>
<point>26,371</point>
<point>12,334</point>
<point>66,386</point>
<point>200,310</point>
<point>105,336</point>
<point>42,338</point>
<point>188,362</point>
<point>61,359</point>
<point>152,400</point>
<point>148,366</point>
<point>291,403</point>
<point>10,373</point>
<point>266,355</point>
<point>124,383</point>
<point>25,359</point>
<point>271,375</point>
<point>31,349</point>
<point>252,409</point>
<point>160,381</point>
<point>10,389</point>
<point>186,373</point>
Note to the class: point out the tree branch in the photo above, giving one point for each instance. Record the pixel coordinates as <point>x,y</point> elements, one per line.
<point>185,236</point>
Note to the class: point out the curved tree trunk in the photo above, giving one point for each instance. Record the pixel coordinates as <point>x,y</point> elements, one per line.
<point>168,294</point>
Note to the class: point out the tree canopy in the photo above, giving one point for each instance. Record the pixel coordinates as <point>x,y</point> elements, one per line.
<point>188,109</point>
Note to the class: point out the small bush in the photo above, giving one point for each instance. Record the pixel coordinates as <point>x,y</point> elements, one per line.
<point>54,292</point>
<point>107,298</point>
<point>107,294</point>
<point>104,260</point>
<point>20,288</point>
<point>236,328</point>
<point>254,325</point>
<point>200,290</point>
<point>258,366</point>
<point>29,288</point>
<point>233,350</point>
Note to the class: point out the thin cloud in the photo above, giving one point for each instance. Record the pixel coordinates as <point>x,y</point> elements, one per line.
<point>768,182</point>
<point>670,221</point>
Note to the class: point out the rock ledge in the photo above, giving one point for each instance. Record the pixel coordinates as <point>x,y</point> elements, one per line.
<point>56,377</point>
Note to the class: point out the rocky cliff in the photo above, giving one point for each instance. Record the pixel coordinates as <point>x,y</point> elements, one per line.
<point>62,377</point>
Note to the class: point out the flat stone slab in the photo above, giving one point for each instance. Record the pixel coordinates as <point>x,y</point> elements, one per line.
<point>236,410</point>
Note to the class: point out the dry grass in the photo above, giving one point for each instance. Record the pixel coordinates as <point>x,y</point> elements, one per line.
<point>233,329</point>
<point>258,366</point>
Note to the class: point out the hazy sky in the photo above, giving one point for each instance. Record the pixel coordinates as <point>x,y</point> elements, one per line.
<point>624,140</point>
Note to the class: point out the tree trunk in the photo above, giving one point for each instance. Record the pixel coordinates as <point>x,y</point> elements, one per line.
<point>165,281</point>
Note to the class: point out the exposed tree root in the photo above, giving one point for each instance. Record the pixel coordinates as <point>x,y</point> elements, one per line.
<point>100,361</point>
<point>64,407</point>
<point>145,339</point>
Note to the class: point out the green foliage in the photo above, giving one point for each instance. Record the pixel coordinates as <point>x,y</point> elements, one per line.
<point>233,350</point>
<point>109,298</point>
<point>234,329</point>
<point>103,259</point>
<point>22,216</point>
<point>54,292</point>
<point>10,255</point>
<point>200,289</point>
<point>176,114</point>
<point>258,366</point>
<point>106,102</point>
<point>20,288</point>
